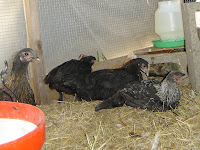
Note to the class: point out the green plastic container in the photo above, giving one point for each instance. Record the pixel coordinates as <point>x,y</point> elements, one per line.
<point>168,43</point>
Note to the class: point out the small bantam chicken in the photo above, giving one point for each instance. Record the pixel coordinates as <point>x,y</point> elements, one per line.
<point>102,84</point>
<point>17,88</point>
<point>68,70</point>
<point>149,94</point>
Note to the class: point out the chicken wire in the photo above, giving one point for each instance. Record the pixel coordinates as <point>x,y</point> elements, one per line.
<point>189,1</point>
<point>113,28</point>
<point>12,30</point>
<point>69,28</point>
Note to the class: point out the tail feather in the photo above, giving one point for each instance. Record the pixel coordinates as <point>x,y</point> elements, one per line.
<point>115,101</point>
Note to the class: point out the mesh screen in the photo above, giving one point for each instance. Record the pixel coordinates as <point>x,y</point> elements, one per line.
<point>12,30</point>
<point>113,28</point>
<point>189,1</point>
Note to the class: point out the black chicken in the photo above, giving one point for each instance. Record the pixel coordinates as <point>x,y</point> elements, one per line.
<point>149,94</point>
<point>102,84</point>
<point>17,88</point>
<point>68,70</point>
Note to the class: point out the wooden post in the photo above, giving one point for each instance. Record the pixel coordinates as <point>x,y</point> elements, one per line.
<point>192,42</point>
<point>34,41</point>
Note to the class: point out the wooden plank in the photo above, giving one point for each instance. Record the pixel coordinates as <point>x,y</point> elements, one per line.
<point>108,63</point>
<point>34,41</point>
<point>192,43</point>
<point>179,58</point>
<point>181,1</point>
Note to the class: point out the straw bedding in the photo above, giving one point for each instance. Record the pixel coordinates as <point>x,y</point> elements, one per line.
<point>74,125</point>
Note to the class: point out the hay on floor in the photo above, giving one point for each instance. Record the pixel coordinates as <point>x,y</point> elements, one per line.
<point>75,125</point>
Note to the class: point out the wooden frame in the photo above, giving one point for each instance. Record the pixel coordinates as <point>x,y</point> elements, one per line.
<point>192,42</point>
<point>34,41</point>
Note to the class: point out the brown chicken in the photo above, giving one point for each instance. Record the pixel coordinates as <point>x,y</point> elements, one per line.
<point>17,88</point>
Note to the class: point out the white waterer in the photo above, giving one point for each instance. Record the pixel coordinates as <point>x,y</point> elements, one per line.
<point>168,20</point>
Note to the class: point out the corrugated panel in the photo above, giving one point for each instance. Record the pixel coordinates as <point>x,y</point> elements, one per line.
<point>112,27</point>
<point>12,30</point>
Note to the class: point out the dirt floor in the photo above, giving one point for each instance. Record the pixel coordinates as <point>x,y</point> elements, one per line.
<point>74,125</point>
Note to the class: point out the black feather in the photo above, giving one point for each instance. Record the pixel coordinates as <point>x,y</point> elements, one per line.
<point>68,71</point>
<point>149,94</point>
<point>102,84</point>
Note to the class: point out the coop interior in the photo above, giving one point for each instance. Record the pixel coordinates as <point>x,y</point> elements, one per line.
<point>114,32</point>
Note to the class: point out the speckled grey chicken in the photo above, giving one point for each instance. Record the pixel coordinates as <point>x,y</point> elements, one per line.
<point>68,72</point>
<point>149,94</point>
<point>17,88</point>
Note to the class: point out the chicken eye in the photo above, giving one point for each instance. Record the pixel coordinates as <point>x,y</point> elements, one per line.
<point>26,54</point>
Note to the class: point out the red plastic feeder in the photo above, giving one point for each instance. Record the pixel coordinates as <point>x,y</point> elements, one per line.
<point>32,140</point>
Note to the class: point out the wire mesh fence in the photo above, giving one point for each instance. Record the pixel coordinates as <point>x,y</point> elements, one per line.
<point>12,30</point>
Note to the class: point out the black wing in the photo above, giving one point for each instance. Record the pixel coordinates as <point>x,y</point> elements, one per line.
<point>134,94</point>
<point>102,84</point>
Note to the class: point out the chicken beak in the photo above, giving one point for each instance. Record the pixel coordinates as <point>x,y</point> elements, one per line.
<point>94,61</point>
<point>183,74</point>
<point>35,56</point>
<point>146,70</point>
<point>177,78</point>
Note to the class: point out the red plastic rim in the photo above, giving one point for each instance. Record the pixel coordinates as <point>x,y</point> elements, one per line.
<point>34,139</point>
